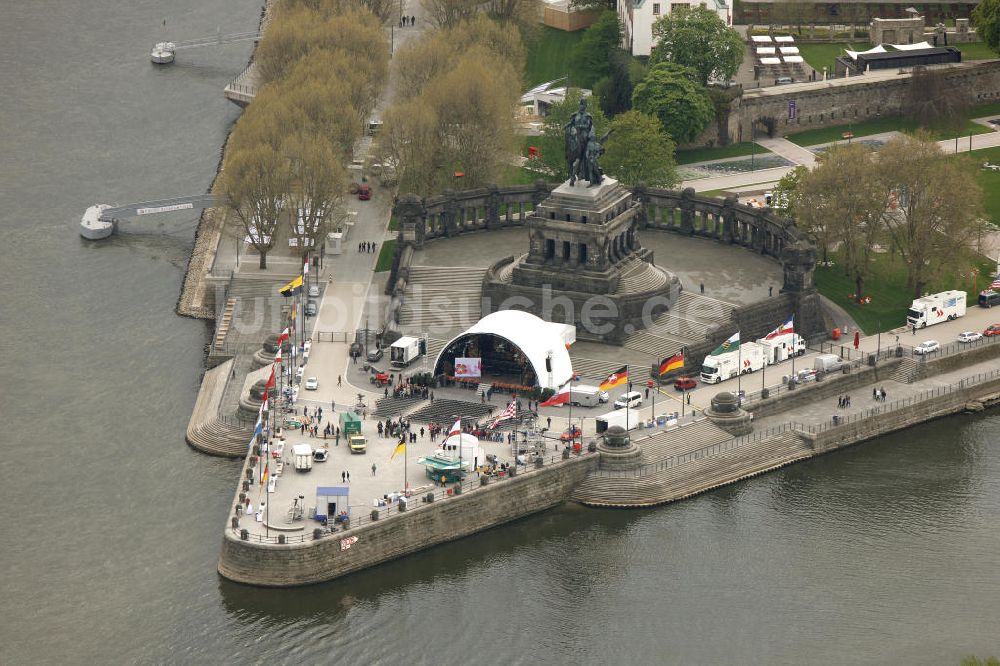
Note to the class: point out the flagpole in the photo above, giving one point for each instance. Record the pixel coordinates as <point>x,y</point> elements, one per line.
<point>739,369</point>
<point>572,437</point>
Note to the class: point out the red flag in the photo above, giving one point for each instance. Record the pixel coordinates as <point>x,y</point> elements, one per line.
<point>560,397</point>
<point>283,336</point>
<point>270,381</point>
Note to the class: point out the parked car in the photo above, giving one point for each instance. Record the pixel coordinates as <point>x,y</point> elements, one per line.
<point>375,355</point>
<point>364,191</point>
<point>320,454</point>
<point>311,309</point>
<point>969,336</point>
<point>312,384</point>
<point>314,291</point>
<point>927,347</point>
<point>570,434</point>
<point>603,396</point>
<point>991,330</point>
<point>630,400</point>
<point>685,384</point>
<point>783,80</point>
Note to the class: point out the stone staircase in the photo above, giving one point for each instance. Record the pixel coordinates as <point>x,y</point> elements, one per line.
<point>206,431</point>
<point>906,372</point>
<point>697,476</point>
<point>639,277</point>
<point>446,410</point>
<point>395,406</point>
<point>678,441</point>
<point>593,371</point>
<point>442,297</point>
<point>223,326</point>
<point>692,318</point>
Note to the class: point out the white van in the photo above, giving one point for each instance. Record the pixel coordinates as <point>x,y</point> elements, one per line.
<point>630,400</point>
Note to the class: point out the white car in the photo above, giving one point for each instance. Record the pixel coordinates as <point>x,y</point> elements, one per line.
<point>631,400</point>
<point>313,291</point>
<point>603,396</point>
<point>312,384</point>
<point>969,336</point>
<point>927,347</point>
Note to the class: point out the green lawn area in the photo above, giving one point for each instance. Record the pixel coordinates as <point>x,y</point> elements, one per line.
<point>976,51</point>
<point>384,262</point>
<point>879,125</point>
<point>549,55</point>
<point>517,175</point>
<point>990,182</point>
<point>732,150</point>
<point>887,288</point>
<point>819,56</point>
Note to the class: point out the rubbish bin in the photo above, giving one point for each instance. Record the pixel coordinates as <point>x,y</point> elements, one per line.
<point>836,420</point>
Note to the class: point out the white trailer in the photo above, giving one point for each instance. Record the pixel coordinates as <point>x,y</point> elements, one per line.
<point>585,396</point>
<point>404,351</point>
<point>750,357</point>
<point>302,457</point>
<point>626,418</point>
<point>782,347</point>
<point>935,308</point>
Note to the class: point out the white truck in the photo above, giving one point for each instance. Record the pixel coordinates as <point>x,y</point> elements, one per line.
<point>782,347</point>
<point>751,356</point>
<point>404,351</point>
<point>586,396</point>
<point>626,418</point>
<point>935,308</point>
<point>302,457</point>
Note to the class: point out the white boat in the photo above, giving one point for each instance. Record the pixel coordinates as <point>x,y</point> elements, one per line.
<point>162,53</point>
<point>92,226</point>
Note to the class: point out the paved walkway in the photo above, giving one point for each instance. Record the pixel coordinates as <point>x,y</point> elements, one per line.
<point>790,151</point>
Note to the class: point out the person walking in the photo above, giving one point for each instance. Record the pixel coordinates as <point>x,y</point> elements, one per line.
<point>343,477</point>
<point>348,477</point>
<point>338,380</point>
<point>373,469</point>
<point>702,287</point>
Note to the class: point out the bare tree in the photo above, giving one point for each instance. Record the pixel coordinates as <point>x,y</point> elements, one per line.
<point>935,100</point>
<point>316,185</point>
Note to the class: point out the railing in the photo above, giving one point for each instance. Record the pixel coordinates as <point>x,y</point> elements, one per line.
<point>793,426</point>
<point>361,515</point>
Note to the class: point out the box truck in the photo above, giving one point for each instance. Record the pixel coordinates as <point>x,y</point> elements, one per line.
<point>749,357</point>
<point>935,308</point>
<point>782,347</point>
<point>626,418</point>
<point>302,457</point>
<point>586,396</point>
<point>350,424</point>
<point>404,351</point>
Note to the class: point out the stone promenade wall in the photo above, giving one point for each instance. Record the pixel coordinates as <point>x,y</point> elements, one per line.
<point>422,526</point>
<point>844,101</point>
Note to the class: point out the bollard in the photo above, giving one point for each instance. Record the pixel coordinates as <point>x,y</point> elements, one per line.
<point>346,522</point>
<point>374,515</point>
<point>565,454</point>
<point>281,538</point>
<point>246,485</point>
<point>483,480</point>
<point>235,522</point>
<point>245,534</point>
<point>429,498</point>
<point>317,534</point>
<point>458,489</point>
<point>512,471</point>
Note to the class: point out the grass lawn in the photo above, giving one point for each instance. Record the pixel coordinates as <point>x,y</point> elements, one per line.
<point>887,288</point>
<point>549,55</point>
<point>384,262</point>
<point>879,125</point>
<point>975,51</point>
<point>732,150</point>
<point>819,56</point>
<point>518,175</point>
<point>990,182</point>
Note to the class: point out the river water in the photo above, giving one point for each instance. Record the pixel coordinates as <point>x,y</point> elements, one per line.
<point>885,553</point>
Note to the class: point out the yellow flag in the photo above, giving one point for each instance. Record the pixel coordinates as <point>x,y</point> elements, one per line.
<point>400,448</point>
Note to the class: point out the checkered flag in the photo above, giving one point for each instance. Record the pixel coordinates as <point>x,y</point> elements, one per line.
<point>509,412</point>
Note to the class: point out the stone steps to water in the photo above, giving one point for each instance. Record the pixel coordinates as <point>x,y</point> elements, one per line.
<point>680,481</point>
<point>206,431</point>
<point>679,441</point>
<point>224,322</point>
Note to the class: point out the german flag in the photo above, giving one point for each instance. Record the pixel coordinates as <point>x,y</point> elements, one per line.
<point>675,362</point>
<point>292,288</point>
<point>616,378</point>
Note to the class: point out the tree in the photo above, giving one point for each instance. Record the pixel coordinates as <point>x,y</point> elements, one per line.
<point>842,202</point>
<point>670,93</point>
<point>639,150</point>
<point>986,16</point>
<point>552,142</point>
<point>938,201</point>
<point>699,39</point>
<point>936,101</point>
<point>447,13</point>
<point>317,181</point>
<point>591,55</point>
<point>615,90</point>
<point>784,195</point>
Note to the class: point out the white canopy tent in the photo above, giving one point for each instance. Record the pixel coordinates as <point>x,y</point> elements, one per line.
<point>854,54</point>
<point>544,344</point>
<point>912,47</point>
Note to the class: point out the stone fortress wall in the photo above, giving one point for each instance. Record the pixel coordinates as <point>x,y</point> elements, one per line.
<point>792,108</point>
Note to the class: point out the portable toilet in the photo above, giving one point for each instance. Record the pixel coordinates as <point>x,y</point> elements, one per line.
<point>330,500</point>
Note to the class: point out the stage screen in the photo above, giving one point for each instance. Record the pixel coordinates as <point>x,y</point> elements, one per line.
<point>468,367</point>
